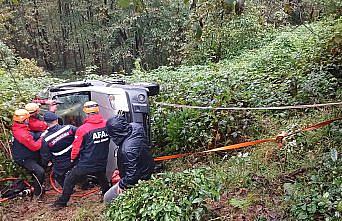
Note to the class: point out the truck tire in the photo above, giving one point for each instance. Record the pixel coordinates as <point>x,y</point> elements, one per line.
<point>153,88</point>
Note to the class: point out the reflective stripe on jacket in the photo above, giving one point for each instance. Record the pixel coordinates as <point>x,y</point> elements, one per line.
<point>57,147</point>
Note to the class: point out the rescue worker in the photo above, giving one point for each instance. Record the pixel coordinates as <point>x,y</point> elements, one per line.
<point>57,146</point>
<point>134,159</point>
<point>35,124</point>
<point>25,149</point>
<point>90,147</point>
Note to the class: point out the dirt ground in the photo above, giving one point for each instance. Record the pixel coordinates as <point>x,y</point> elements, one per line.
<point>86,208</point>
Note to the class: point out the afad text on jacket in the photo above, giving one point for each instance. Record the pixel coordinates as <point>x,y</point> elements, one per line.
<point>91,144</point>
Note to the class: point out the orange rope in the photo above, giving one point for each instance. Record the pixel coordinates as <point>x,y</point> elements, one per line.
<point>278,139</point>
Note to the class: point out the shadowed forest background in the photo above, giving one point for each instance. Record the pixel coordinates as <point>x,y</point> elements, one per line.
<point>111,35</point>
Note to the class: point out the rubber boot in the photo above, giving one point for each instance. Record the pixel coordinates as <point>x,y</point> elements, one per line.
<point>61,202</point>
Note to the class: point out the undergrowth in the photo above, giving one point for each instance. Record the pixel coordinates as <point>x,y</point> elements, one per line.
<point>21,79</point>
<point>169,196</point>
<point>297,182</point>
<point>298,66</point>
<point>300,181</point>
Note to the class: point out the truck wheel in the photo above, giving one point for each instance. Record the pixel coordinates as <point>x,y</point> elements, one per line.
<point>153,88</point>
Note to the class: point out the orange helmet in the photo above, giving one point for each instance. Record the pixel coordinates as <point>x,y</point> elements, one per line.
<point>91,107</point>
<point>32,107</point>
<point>21,115</point>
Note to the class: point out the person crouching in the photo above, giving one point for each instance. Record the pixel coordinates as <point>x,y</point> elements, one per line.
<point>134,159</point>
<point>26,151</point>
<point>56,146</point>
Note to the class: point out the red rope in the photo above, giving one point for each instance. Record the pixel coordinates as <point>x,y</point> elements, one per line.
<point>52,183</point>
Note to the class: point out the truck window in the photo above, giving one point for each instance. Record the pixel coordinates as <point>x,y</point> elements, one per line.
<point>71,110</point>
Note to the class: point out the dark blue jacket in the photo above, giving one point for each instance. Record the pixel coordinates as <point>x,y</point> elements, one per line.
<point>134,159</point>
<point>57,147</point>
<point>91,144</point>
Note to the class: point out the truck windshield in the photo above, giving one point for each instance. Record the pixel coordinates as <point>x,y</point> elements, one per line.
<point>71,108</point>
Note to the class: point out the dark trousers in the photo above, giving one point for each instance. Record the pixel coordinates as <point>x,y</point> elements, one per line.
<point>38,171</point>
<point>60,179</point>
<point>77,175</point>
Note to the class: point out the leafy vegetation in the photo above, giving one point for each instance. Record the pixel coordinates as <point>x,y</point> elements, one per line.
<point>318,196</point>
<point>293,66</point>
<point>170,196</point>
<point>259,183</point>
<point>112,35</point>
<point>21,79</point>
<point>296,67</point>
<point>234,53</point>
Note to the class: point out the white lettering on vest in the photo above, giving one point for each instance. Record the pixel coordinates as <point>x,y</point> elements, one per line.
<point>100,136</point>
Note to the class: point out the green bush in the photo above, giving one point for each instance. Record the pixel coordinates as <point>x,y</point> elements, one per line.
<point>9,169</point>
<point>298,66</point>
<point>319,197</point>
<point>21,79</point>
<point>171,196</point>
<point>233,37</point>
<point>7,57</point>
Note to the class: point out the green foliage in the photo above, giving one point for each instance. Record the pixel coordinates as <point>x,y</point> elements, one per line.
<point>260,176</point>
<point>21,79</point>
<point>155,31</point>
<point>258,60</point>
<point>7,57</point>
<point>295,67</point>
<point>221,29</point>
<point>227,38</point>
<point>319,197</point>
<point>28,68</point>
<point>172,196</point>
<point>240,203</point>
<point>8,168</point>
<point>109,34</point>
<point>113,34</point>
